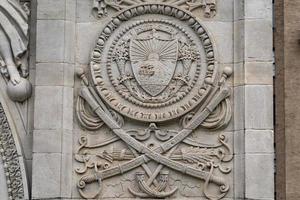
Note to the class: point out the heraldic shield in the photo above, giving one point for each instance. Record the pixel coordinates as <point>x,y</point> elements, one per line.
<point>154,101</point>
<point>153,63</point>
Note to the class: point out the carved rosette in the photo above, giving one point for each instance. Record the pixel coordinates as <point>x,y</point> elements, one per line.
<point>153,81</point>
<point>10,158</point>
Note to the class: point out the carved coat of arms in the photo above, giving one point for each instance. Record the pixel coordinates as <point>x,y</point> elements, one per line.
<point>153,86</point>
<point>153,63</point>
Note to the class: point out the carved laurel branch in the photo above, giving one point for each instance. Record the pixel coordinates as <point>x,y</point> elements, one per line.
<point>209,6</point>
<point>187,55</point>
<point>213,112</point>
<point>97,69</point>
<point>9,156</point>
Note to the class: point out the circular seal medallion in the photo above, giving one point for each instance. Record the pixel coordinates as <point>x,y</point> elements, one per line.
<point>153,63</point>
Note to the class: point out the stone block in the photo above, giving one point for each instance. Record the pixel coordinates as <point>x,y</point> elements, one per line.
<point>239,74</point>
<point>66,178</point>
<point>51,9</point>
<point>48,74</point>
<point>69,42</point>
<point>259,176</point>
<point>84,11</point>
<point>225,10</point>
<point>258,107</point>
<point>69,75</point>
<point>46,178</point>
<point>48,107</point>
<point>50,41</point>
<point>259,141</point>
<point>67,141</point>
<point>258,9</point>
<point>223,42</point>
<point>253,73</point>
<point>239,41</point>
<point>259,73</point>
<point>239,107</point>
<point>258,40</point>
<point>71,10</point>
<point>85,46</point>
<point>68,108</point>
<point>239,142</point>
<point>47,141</point>
<point>239,10</point>
<point>239,176</point>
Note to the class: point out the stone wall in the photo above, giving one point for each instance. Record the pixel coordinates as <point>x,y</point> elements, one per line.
<point>150,99</point>
<point>287,97</point>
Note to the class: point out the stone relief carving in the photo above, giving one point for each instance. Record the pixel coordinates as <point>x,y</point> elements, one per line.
<point>14,48</point>
<point>9,155</point>
<point>153,81</point>
<point>209,6</point>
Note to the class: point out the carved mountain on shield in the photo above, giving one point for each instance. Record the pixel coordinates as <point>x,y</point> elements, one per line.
<point>153,63</point>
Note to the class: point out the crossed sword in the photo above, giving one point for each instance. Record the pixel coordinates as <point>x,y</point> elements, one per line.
<point>217,95</point>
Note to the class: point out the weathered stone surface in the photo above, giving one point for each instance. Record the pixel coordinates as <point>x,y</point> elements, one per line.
<point>3,186</point>
<point>48,104</point>
<point>47,170</point>
<point>172,99</point>
<point>153,71</point>
<point>287,99</point>
<point>258,40</point>
<point>259,141</point>
<point>14,36</point>
<point>259,172</point>
<point>47,141</point>
<point>258,107</point>
<point>50,37</point>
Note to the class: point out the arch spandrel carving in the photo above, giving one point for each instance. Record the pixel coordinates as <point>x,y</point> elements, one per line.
<point>153,81</point>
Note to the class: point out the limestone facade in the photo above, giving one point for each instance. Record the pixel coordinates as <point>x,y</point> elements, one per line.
<point>139,99</point>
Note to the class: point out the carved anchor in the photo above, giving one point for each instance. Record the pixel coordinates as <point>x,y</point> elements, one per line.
<point>99,108</point>
<point>149,192</point>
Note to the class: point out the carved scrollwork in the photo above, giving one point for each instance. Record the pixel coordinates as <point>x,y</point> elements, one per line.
<point>101,6</point>
<point>10,158</point>
<point>154,72</point>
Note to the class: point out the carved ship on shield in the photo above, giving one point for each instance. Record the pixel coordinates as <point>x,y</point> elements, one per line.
<point>153,63</point>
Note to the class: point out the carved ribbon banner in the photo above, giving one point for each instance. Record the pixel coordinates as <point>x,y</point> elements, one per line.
<point>153,81</point>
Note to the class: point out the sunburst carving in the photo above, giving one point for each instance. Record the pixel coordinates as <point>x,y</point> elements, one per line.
<point>145,49</point>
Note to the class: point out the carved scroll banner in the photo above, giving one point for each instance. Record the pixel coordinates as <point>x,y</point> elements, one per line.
<point>152,86</point>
